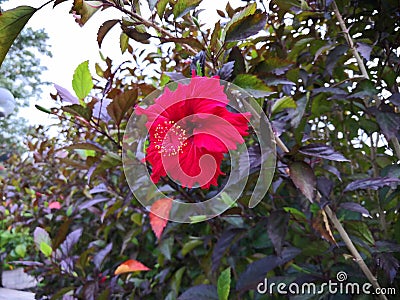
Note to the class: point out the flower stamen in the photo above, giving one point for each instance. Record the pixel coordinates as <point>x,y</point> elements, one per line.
<point>170,138</point>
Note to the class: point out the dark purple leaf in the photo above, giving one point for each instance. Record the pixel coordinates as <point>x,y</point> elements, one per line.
<point>246,27</point>
<point>303,178</point>
<point>371,183</point>
<point>252,159</point>
<point>121,104</point>
<point>334,56</point>
<point>26,263</point>
<point>385,246</point>
<point>227,238</point>
<point>41,236</point>
<point>225,73</point>
<point>91,171</point>
<point>322,151</point>
<point>67,265</point>
<point>355,207</point>
<point>256,271</point>
<point>90,290</point>
<point>89,145</point>
<point>389,123</point>
<point>92,202</point>
<point>277,228</point>
<point>331,90</point>
<point>66,95</point>
<point>236,56</point>
<point>333,170</point>
<point>100,110</point>
<point>325,186</point>
<point>70,241</point>
<point>101,255</point>
<point>175,76</point>
<point>104,29</point>
<point>388,263</point>
<point>133,33</point>
<point>395,99</point>
<point>61,233</point>
<point>200,292</point>
<point>99,189</point>
<point>200,58</point>
<point>79,110</point>
<point>365,50</point>
<point>298,114</point>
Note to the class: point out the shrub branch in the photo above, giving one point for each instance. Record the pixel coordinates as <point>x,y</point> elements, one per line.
<point>343,234</point>
<point>360,62</point>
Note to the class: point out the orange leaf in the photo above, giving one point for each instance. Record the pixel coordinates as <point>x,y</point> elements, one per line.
<point>130,265</point>
<point>159,214</point>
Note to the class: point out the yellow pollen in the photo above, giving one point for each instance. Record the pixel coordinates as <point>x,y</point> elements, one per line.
<point>170,140</point>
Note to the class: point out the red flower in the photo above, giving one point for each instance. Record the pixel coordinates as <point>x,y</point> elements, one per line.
<point>190,130</point>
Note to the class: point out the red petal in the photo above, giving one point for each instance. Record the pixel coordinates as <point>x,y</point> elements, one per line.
<point>130,265</point>
<point>219,133</point>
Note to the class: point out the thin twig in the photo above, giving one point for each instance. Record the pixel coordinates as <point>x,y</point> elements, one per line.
<point>350,41</point>
<point>357,257</point>
<point>147,23</point>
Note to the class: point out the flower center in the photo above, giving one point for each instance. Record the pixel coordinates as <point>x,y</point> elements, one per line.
<point>170,138</point>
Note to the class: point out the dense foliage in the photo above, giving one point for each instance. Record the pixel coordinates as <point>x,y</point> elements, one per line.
<point>326,75</point>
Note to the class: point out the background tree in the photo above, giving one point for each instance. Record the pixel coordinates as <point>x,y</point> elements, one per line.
<point>21,75</point>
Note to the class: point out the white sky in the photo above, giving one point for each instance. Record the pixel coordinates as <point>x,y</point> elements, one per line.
<point>72,44</point>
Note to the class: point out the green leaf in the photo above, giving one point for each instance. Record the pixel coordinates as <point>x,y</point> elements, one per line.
<point>189,246</point>
<point>215,36</point>
<point>287,4</point>
<point>108,161</point>
<point>182,7</point>
<point>246,27</point>
<point>46,249</point>
<point>283,103</point>
<point>197,219</point>
<point>253,85</point>
<point>123,42</point>
<point>224,284</point>
<point>85,9</point>
<point>82,82</point>
<point>361,230</point>
<point>161,4</point>
<point>246,11</point>
<point>20,250</point>
<point>43,109</point>
<point>11,23</point>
